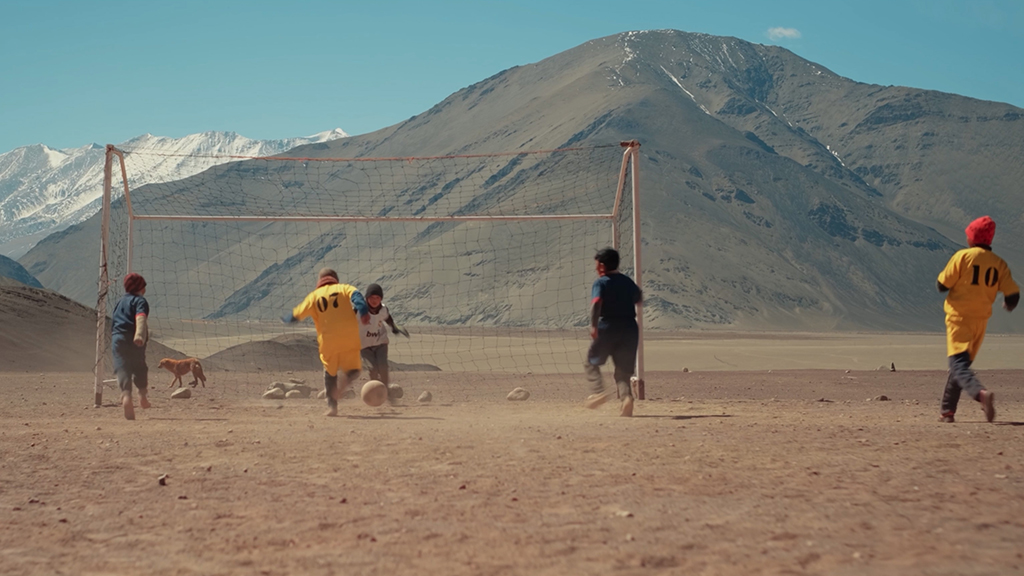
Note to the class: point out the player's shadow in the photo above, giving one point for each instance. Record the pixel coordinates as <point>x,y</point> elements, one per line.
<point>389,417</point>
<point>190,419</point>
<point>681,417</point>
<point>1009,423</point>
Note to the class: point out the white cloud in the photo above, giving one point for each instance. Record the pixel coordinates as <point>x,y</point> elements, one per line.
<point>780,33</point>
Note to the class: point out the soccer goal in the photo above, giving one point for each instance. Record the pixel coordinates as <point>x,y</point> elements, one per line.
<point>487,259</point>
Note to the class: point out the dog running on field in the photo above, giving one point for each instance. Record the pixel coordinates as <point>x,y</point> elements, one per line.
<point>182,367</point>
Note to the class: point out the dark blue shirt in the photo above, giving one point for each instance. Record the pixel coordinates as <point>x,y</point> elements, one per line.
<point>127,308</point>
<point>618,295</point>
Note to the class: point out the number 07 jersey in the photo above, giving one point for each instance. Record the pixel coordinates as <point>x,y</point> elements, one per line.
<point>337,325</point>
<point>974,276</point>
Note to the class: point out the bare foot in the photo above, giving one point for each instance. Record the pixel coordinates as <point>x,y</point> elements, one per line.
<point>595,400</point>
<point>129,409</point>
<point>331,412</point>
<point>627,407</point>
<point>986,398</point>
<point>144,402</point>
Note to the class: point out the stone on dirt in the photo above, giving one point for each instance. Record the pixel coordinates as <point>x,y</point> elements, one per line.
<point>289,386</point>
<point>181,393</point>
<point>426,396</point>
<point>395,391</point>
<point>274,394</point>
<point>518,395</point>
<point>296,394</point>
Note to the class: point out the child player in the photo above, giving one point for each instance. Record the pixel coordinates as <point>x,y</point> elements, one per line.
<point>614,330</point>
<point>129,334</point>
<point>374,336</point>
<point>972,277</point>
<point>334,307</point>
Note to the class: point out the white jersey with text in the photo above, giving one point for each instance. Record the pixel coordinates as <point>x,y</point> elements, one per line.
<point>376,332</point>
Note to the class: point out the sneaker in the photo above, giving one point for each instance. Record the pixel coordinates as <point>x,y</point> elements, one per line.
<point>627,407</point>
<point>987,399</point>
<point>948,418</point>
<point>595,400</point>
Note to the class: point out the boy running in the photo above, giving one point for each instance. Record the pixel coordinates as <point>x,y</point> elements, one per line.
<point>129,334</point>
<point>972,277</point>
<point>334,308</point>
<point>613,329</point>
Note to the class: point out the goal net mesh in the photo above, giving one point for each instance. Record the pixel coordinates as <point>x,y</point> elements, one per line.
<point>487,260</point>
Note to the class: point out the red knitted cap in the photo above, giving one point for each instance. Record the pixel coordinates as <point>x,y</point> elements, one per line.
<point>134,283</point>
<point>981,231</point>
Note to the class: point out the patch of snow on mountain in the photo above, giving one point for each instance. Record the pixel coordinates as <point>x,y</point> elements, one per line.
<point>688,93</point>
<point>43,190</point>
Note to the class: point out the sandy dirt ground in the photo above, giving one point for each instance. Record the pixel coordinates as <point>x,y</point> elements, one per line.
<point>724,472</point>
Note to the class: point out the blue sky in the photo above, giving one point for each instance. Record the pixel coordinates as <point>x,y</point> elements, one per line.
<point>74,73</point>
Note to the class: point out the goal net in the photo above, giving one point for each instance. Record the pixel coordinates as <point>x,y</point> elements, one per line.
<point>486,259</point>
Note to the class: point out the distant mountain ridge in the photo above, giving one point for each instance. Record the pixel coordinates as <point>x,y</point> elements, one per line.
<point>775,193</point>
<point>14,271</point>
<point>43,190</point>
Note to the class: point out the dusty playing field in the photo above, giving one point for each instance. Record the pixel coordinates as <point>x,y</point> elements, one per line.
<point>722,473</point>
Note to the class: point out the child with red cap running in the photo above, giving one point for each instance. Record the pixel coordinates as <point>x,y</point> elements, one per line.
<point>972,277</point>
<point>129,334</point>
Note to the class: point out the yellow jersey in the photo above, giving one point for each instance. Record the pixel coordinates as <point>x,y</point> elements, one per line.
<point>974,276</point>
<point>336,320</point>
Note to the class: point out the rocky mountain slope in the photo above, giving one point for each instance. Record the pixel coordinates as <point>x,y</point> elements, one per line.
<point>775,193</point>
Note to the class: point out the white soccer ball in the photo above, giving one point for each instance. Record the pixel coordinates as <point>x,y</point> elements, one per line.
<point>374,393</point>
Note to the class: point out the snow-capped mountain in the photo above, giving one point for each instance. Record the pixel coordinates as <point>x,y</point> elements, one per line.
<point>43,190</point>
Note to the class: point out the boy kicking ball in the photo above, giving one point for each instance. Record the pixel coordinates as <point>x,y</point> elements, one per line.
<point>613,330</point>
<point>334,308</point>
<point>972,278</point>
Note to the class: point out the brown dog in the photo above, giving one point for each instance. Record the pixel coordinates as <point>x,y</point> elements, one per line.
<point>182,367</point>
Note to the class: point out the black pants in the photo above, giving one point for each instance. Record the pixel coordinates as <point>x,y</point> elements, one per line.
<point>620,343</point>
<point>961,377</point>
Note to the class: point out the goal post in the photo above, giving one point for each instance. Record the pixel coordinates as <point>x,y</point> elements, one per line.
<point>486,258</point>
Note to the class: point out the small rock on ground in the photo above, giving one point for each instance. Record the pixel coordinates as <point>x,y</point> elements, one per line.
<point>518,395</point>
<point>274,394</point>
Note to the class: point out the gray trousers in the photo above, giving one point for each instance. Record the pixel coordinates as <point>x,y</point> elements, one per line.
<point>376,358</point>
<point>961,377</point>
<point>331,384</point>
